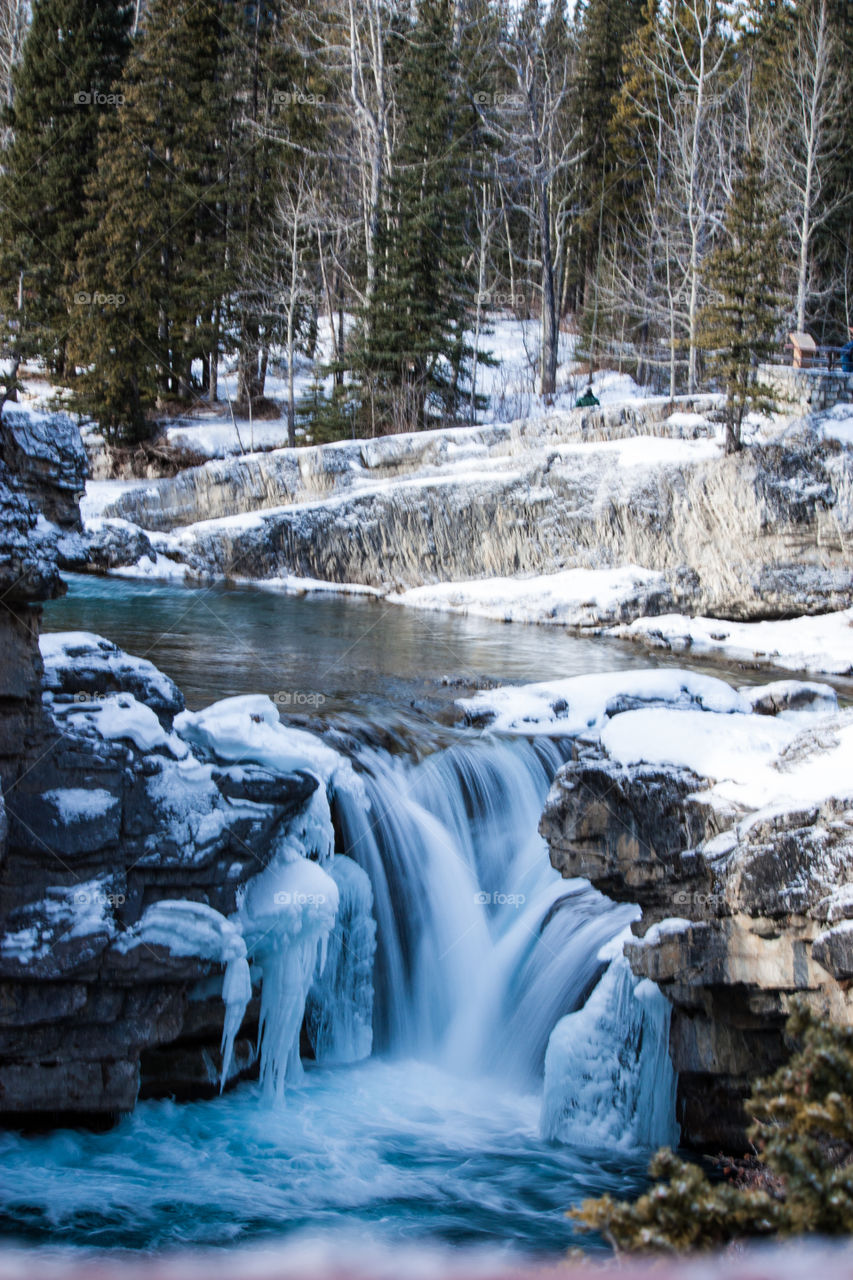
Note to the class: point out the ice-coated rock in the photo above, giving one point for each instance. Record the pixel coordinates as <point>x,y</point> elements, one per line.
<point>737,843</point>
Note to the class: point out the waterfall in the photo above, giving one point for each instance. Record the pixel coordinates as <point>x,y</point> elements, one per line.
<point>441,932</point>
<point>483,947</point>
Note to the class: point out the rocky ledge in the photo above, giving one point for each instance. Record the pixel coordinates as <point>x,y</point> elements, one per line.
<point>765,534</point>
<point>732,827</point>
<point>148,856</point>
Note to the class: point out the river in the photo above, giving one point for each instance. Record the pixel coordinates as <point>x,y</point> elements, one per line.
<point>434,1141</point>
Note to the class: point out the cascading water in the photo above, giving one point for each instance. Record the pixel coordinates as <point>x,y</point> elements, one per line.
<point>483,947</point>
<point>427,1124</point>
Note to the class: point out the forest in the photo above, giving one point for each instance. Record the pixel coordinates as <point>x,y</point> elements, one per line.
<point>189,189</point>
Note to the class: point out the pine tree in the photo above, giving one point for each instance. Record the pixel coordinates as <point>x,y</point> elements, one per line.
<point>739,323</point>
<point>605,28</point>
<point>155,263</point>
<point>413,354</point>
<point>63,88</point>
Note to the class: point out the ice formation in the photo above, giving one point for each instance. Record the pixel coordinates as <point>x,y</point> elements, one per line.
<point>287,914</point>
<point>339,1014</point>
<point>608,1076</point>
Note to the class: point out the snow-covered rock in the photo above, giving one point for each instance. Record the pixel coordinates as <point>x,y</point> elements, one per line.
<point>82,667</point>
<point>732,827</point>
<point>620,512</point>
<point>823,643</point>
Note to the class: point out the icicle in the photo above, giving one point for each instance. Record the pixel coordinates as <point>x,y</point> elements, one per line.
<point>608,1076</point>
<point>339,1013</point>
<point>287,914</point>
<point>236,994</point>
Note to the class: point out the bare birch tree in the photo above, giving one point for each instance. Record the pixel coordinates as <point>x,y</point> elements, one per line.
<point>804,133</point>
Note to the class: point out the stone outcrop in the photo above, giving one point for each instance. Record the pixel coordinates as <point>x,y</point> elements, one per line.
<point>741,912</point>
<point>104,813</point>
<point>46,455</point>
<point>763,534</point>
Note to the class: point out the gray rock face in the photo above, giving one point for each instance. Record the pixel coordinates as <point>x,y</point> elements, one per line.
<point>46,454</point>
<point>740,914</point>
<point>763,534</point>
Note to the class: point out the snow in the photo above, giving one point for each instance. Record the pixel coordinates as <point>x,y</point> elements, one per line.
<point>184,928</point>
<point>839,905</point>
<point>652,452</point>
<point>78,804</point>
<point>248,728</point>
<point>822,698</point>
<point>736,748</point>
<point>77,911</point>
<point>581,704</point>
<point>101,493</point>
<point>116,716</point>
<point>821,643</point>
<point>575,597</point>
<point>670,927</point>
<point>294,586</point>
<point>837,424</point>
<point>749,758</point>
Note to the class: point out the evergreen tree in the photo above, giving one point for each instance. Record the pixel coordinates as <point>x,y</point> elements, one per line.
<point>63,87</point>
<point>413,353</point>
<point>739,323</point>
<point>605,28</point>
<point>155,261</point>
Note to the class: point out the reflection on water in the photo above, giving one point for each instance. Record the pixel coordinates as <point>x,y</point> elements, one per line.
<point>359,654</point>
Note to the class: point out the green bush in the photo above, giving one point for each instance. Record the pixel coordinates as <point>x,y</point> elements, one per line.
<point>803,1183</point>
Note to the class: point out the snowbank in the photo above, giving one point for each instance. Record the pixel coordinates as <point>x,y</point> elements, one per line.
<point>574,598</point>
<point>823,643</point>
<point>582,704</point>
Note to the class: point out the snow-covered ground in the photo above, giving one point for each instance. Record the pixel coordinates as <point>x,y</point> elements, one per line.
<point>575,598</point>
<point>683,719</point>
<point>822,643</point>
<point>509,387</point>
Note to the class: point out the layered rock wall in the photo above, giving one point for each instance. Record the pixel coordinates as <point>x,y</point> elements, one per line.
<point>763,534</point>
<point>741,913</point>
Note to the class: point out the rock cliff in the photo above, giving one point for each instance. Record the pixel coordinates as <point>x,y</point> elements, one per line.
<point>108,818</point>
<point>764,534</point>
<point>746,886</point>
